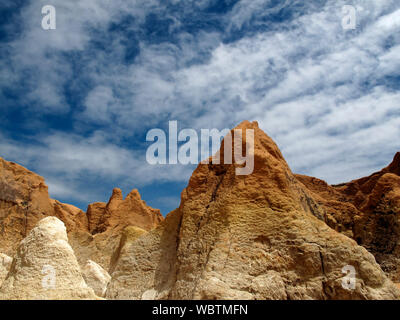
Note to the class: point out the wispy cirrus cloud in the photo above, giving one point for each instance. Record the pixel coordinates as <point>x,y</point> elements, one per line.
<point>88,92</point>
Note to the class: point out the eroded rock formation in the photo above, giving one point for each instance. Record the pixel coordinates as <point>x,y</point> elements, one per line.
<point>24,200</point>
<point>96,277</point>
<point>268,235</point>
<point>106,222</point>
<point>119,213</point>
<point>367,210</point>
<point>261,236</point>
<point>45,267</point>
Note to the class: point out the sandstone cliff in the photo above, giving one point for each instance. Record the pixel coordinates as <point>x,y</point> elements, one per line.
<point>106,222</point>
<point>260,236</point>
<point>24,200</point>
<point>268,235</point>
<point>367,210</point>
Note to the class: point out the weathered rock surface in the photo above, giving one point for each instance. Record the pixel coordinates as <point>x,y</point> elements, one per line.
<point>24,200</point>
<point>106,224</point>
<point>377,228</point>
<point>5,264</point>
<point>260,236</point>
<point>73,217</point>
<point>96,277</point>
<point>268,235</point>
<point>367,210</point>
<point>129,236</point>
<point>45,267</point>
<point>146,268</point>
<point>119,213</point>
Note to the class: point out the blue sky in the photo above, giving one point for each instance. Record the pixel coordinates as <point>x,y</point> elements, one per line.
<point>76,102</point>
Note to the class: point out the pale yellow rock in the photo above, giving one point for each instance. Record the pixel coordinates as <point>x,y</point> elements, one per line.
<point>269,286</point>
<point>145,268</point>
<point>98,248</point>
<point>5,264</point>
<point>96,277</point>
<point>45,267</point>
<point>213,288</point>
<point>129,235</point>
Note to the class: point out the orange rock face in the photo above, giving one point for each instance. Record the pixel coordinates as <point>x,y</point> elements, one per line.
<point>257,236</point>
<point>24,200</point>
<point>368,210</point>
<point>73,217</point>
<point>106,222</point>
<point>271,234</point>
<point>119,213</point>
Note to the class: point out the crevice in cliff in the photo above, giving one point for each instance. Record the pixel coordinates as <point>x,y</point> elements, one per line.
<point>25,206</point>
<point>214,194</point>
<point>323,282</point>
<point>178,231</point>
<point>322,262</point>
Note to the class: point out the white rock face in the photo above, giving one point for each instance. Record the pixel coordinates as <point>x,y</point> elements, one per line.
<point>96,277</point>
<point>45,267</point>
<point>5,264</point>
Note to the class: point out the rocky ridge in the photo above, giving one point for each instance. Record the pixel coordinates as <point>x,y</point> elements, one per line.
<point>94,235</point>
<point>269,235</point>
<point>367,210</point>
<point>261,236</point>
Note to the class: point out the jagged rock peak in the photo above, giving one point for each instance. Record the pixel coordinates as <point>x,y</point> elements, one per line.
<point>394,167</point>
<point>256,236</point>
<point>116,194</point>
<point>120,213</point>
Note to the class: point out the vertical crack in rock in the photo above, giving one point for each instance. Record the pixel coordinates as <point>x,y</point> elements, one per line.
<point>322,262</point>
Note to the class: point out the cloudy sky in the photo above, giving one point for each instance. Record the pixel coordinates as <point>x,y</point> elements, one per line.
<point>76,102</point>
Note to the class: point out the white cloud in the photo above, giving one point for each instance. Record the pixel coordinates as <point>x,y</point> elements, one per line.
<point>99,104</point>
<point>66,161</point>
<point>314,87</point>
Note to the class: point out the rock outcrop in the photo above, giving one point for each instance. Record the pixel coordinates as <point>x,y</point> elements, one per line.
<point>96,277</point>
<point>119,213</point>
<point>271,234</point>
<point>94,235</point>
<point>106,222</point>
<point>129,236</point>
<point>45,267</point>
<point>367,210</point>
<point>260,236</point>
<point>73,217</point>
<point>24,200</point>
<point>145,268</point>
<point>5,264</point>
